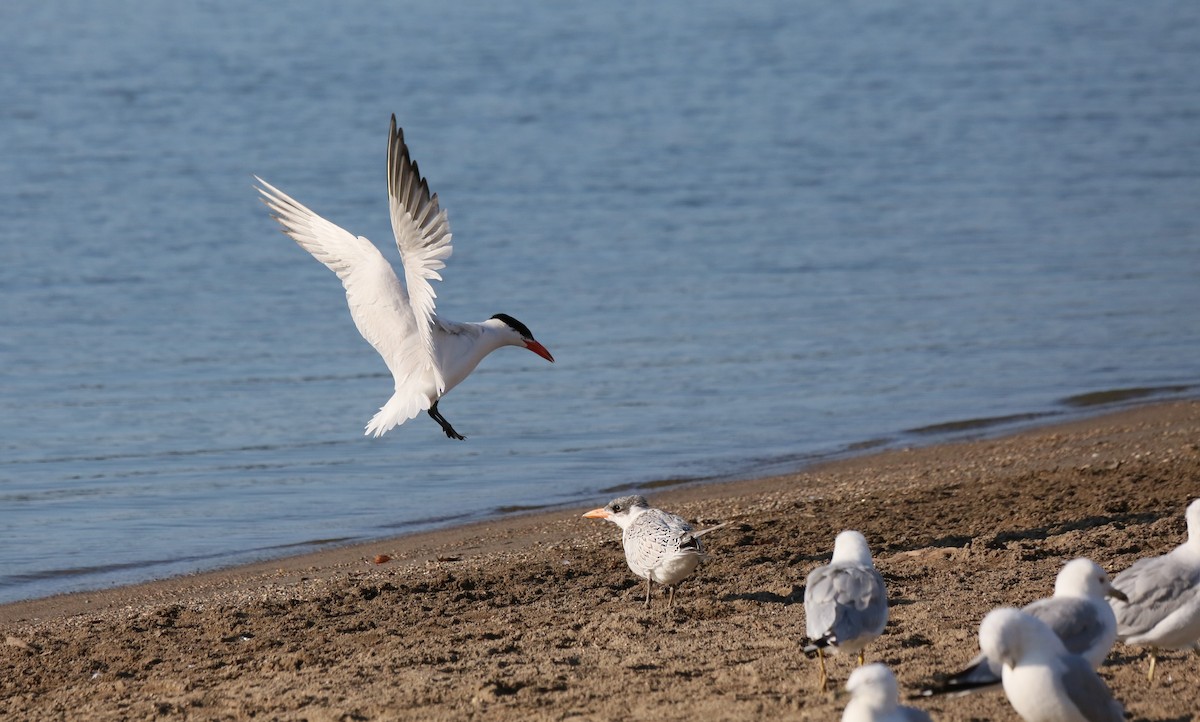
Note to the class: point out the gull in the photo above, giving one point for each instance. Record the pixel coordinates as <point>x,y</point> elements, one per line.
<point>1078,613</point>
<point>1042,680</point>
<point>426,354</point>
<point>845,604</point>
<point>659,546</point>
<point>874,698</point>
<point>1162,609</point>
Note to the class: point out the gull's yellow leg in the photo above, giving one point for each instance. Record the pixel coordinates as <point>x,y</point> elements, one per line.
<point>821,657</point>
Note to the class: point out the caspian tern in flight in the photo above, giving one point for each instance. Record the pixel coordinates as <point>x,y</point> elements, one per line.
<point>426,354</point>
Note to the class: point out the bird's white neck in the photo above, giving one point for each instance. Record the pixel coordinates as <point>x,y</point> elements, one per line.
<point>1075,589</point>
<point>464,345</point>
<point>851,548</point>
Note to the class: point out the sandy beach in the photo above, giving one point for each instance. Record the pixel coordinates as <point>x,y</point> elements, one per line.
<point>537,616</point>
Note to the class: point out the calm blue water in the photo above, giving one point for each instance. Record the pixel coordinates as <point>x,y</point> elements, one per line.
<point>751,233</point>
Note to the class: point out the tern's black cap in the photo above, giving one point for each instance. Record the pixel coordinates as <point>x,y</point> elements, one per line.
<point>514,324</point>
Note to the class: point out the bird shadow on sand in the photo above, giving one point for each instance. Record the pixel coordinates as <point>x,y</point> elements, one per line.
<point>1001,539</point>
<point>795,596</point>
<point>950,541</point>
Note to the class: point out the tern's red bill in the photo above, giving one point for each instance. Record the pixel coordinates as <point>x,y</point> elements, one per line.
<point>539,349</point>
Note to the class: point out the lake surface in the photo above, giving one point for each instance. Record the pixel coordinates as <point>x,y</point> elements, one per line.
<point>752,234</point>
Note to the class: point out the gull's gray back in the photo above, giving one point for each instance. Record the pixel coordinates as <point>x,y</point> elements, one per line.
<point>912,714</point>
<point>848,601</point>
<point>1079,624</point>
<point>1088,692</point>
<point>1156,588</point>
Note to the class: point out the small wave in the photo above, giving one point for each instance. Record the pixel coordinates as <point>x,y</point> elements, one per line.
<point>986,422</point>
<point>519,508</point>
<point>175,453</point>
<point>655,484</point>
<point>1118,396</point>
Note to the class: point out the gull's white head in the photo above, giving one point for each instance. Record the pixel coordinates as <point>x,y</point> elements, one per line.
<point>1084,578</point>
<point>1193,524</point>
<point>874,685</point>
<point>851,547</point>
<point>621,511</point>
<point>1009,636</point>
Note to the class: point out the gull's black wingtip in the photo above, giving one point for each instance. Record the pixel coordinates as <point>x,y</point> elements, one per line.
<point>953,685</point>
<point>937,687</point>
<point>814,647</point>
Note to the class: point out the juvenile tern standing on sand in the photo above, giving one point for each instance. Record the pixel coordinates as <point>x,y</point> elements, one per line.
<point>1078,613</point>
<point>1042,680</point>
<point>659,546</point>
<point>427,355</point>
<point>875,698</point>
<point>1162,610</point>
<point>845,604</point>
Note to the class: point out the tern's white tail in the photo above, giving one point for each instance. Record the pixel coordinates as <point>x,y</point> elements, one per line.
<point>400,408</point>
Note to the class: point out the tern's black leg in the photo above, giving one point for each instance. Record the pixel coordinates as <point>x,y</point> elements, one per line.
<point>649,586</point>
<point>437,416</point>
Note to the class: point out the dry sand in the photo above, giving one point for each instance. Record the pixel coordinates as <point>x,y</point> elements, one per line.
<point>536,617</point>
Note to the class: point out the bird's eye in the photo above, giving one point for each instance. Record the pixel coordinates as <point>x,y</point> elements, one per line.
<point>616,507</point>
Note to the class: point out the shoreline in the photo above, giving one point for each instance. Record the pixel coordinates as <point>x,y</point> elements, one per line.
<point>1080,407</point>
<point>535,614</point>
<point>426,545</point>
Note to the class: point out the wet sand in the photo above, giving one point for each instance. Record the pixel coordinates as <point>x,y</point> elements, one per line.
<point>537,617</point>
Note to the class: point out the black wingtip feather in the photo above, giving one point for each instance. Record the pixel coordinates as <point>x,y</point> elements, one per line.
<point>815,645</point>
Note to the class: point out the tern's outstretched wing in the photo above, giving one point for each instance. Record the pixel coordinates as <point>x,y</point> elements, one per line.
<point>422,235</point>
<point>378,303</point>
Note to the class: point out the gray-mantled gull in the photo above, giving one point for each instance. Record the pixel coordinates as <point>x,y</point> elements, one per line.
<point>874,698</point>
<point>1077,613</point>
<point>1042,680</point>
<point>1163,606</point>
<point>845,604</point>
<point>659,546</point>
